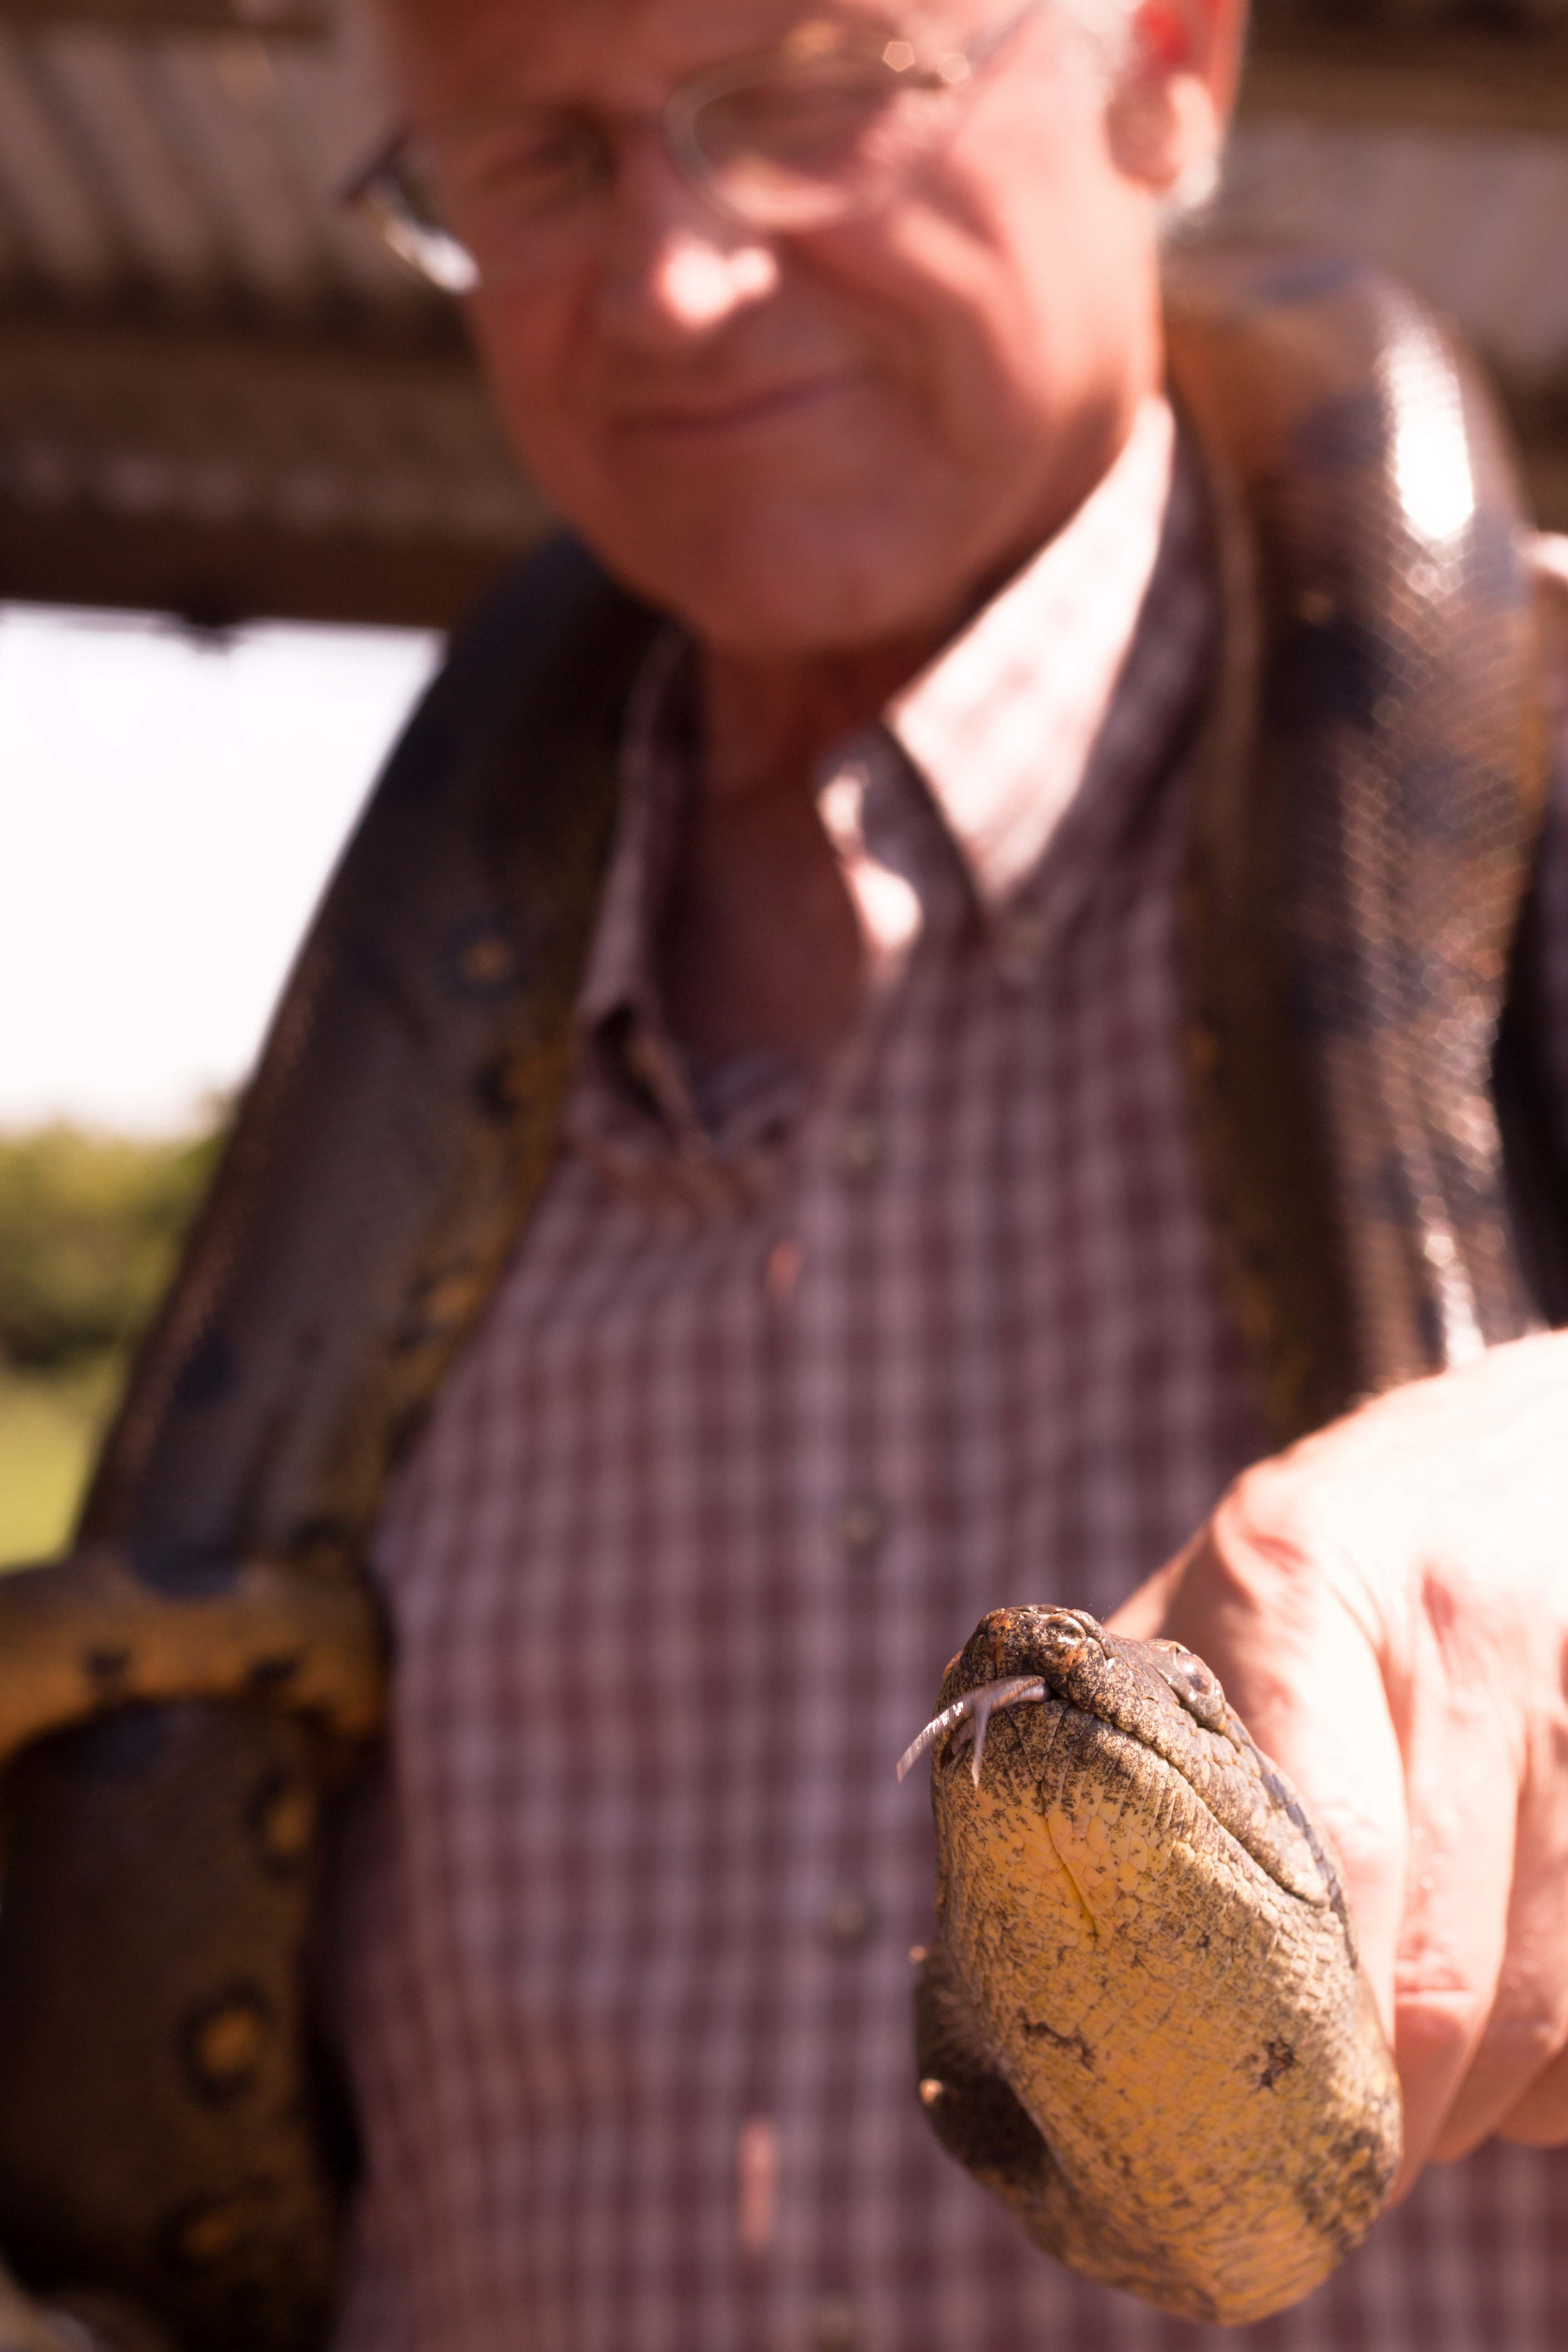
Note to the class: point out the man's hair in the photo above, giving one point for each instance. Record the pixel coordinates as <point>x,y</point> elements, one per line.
<point>1107,23</point>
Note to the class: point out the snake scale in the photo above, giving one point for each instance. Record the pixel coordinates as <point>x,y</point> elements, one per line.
<point>180,1698</point>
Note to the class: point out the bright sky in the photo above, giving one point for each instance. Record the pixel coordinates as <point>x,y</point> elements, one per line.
<point>168,814</point>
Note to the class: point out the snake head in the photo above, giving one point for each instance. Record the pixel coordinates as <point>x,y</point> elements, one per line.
<point>1156,1693</point>
<point>1019,1656</point>
<point>1142,2022</point>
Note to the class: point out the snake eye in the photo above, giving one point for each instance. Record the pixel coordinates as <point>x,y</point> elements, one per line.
<point>1196,1686</point>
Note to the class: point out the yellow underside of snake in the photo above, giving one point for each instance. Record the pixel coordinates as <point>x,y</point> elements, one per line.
<point>1144,2024</point>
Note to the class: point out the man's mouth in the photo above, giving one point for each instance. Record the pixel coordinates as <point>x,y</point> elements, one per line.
<point>713,415</point>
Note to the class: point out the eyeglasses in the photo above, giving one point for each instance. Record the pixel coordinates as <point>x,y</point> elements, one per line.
<point>821,131</point>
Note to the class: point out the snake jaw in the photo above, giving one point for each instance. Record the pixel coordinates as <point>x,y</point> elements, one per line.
<point>973,1713</point>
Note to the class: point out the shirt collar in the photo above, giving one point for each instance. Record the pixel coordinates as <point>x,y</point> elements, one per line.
<point>1002,724</point>
<point>1006,739</point>
<point>657,761</point>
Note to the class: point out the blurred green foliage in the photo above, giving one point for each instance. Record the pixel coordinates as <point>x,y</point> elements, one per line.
<point>90,1229</point>
<point>50,1423</point>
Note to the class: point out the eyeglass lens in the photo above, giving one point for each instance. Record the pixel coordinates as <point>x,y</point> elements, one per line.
<point>787,143</point>
<point>801,144</point>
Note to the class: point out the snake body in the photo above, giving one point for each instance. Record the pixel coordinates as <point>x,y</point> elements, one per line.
<point>1365,802</point>
<point>1143,2024</point>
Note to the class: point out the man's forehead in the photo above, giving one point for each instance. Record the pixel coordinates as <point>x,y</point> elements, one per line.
<point>626,50</point>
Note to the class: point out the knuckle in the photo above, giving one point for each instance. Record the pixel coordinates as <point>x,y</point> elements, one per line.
<point>1436,2016</point>
<point>1267,1515</point>
<point>1275,1534</point>
<point>1525,2046</point>
<point>1539,2118</point>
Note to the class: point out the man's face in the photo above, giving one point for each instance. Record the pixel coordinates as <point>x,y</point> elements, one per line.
<point>821,440</point>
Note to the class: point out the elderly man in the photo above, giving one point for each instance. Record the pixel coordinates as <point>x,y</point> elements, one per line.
<point>873,1283</point>
<point>869,1282</point>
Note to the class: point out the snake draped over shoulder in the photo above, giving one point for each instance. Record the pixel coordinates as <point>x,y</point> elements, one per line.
<point>1365,799</point>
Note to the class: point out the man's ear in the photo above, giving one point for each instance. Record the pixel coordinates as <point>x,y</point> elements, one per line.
<point>1167,117</point>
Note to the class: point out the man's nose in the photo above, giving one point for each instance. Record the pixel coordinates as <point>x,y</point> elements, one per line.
<point>675,271</point>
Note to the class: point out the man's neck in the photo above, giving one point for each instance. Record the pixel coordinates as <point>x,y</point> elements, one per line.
<point>767,725</point>
<point>768,719</point>
<point>763,945</point>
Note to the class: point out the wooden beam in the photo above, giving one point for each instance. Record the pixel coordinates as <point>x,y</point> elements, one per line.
<point>283,19</point>
<point>214,578</point>
<point>225,474</point>
<point>1463,79</point>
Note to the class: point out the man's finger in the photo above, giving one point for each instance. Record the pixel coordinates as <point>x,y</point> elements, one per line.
<point>1305,1677</point>
<point>1516,2087</point>
<point>1517,2078</point>
<point>1462,1786</point>
<point>1540,2117</point>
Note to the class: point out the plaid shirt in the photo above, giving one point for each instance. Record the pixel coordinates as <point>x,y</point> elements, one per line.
<point>789,1381</point>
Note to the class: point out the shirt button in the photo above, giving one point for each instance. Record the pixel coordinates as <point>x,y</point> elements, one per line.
<point>859,1149</point>
<point>862,1527</point>
<point>782,1271</point>
<point>487,962</point>
<point>847,1922</point>
<point>1023,940</point>
<point>833,2325</point>
<point>642,1058</point>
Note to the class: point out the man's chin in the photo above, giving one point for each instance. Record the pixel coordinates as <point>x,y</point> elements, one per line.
<point>775,594</point>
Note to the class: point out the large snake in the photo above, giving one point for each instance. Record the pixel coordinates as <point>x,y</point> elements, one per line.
<point>178,1699</point>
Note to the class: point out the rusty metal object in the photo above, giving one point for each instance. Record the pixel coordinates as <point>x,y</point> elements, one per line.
<point>1143,2024</point>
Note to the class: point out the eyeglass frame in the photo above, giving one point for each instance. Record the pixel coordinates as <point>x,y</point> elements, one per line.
<point>380,188</point>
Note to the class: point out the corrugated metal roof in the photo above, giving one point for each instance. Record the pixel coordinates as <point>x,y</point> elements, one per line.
<point>198,169</point>
<point>200,349</point>
<point>196,340</point>
<point>185,169</point>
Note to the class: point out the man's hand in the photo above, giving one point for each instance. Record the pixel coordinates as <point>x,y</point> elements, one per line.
<point>1387,1608</point>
